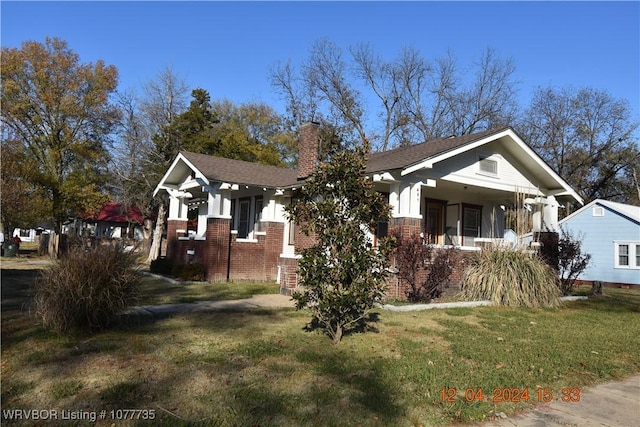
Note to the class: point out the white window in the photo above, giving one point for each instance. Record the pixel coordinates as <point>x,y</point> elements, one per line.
<point>627,255</point>
<point>598,211</point>
<point>243,219</point>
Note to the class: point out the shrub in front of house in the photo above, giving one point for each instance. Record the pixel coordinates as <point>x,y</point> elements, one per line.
<point>193,272</point>
<point>425,268</point>
<point>162,266</point>
<point>572,261</point>
<point>85,289</point>
<point>510,277</point>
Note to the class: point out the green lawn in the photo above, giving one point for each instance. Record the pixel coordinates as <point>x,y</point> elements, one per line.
<point>260,367</point>
<point>157,291</point>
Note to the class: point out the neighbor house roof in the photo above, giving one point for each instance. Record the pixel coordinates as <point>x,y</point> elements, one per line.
<point>115,212</point>
<point>629,211</point>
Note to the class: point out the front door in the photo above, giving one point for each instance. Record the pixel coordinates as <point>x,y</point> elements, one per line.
<point>434,223</point>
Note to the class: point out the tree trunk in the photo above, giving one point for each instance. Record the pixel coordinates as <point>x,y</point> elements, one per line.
<point>337,336</point>
<point>156,244</point>
<point>147,232</point>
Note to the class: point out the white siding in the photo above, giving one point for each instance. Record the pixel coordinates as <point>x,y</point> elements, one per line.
<point>465,169</point>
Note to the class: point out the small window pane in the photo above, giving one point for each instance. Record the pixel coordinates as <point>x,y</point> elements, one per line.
<point>623,255</point>
<point>292,233</point>
<point>243,219</point>
<point>637,255</point>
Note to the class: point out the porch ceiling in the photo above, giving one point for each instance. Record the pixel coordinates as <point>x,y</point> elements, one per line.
<point>453,191</point>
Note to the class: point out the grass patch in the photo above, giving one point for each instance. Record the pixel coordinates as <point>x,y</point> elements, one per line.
<point>65,389</point>
<point>157,291</point>
<point>259,367</point>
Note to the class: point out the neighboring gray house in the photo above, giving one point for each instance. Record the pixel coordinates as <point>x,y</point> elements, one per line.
<point>610,232</point>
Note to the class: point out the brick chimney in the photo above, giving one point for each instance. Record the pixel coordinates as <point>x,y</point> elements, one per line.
<point>308,146</point>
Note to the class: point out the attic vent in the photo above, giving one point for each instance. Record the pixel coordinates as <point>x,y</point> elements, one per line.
<point>598,211</point>
<point>488,166</point>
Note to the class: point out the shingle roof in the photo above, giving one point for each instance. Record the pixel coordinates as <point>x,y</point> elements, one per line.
<point>630,211</point>
<point>240,172</point>
<point>247,173</point>
<point>407,156</point>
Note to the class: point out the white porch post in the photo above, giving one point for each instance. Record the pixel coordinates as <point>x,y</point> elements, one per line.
<point>550,214</point>
<point>177,207</point>
<point>409,200</point>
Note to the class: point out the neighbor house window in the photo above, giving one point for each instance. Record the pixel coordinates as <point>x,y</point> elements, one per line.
<point>292,233</point>
<point>627,255</point>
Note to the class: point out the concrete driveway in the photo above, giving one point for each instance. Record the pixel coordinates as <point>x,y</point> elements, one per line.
<point>612,404</point>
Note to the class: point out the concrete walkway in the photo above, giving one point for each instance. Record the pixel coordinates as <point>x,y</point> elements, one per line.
<point>256,301</point>
<point>612,404</point>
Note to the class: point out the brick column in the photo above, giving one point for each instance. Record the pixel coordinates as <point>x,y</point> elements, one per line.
<point>172,238</point>
<point>217,248</point>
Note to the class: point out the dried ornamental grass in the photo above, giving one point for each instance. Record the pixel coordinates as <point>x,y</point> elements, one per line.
<point>86,288</point>
<point>510,277</point>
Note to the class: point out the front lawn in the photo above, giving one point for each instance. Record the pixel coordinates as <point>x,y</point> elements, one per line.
<point>158,291</point>
<point>260,367</point>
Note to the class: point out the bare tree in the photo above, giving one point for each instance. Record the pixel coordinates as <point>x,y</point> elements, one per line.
<point>143,152</point>
<point>490,101</point>
<point>384,79</point>
<point>588,137</point>
<point>415,100</point>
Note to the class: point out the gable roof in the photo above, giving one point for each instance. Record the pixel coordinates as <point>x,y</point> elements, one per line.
<point>628,211</point>
<point>404,157</point>
<point>407,159</point>
<point>115,212</point>
<point>241,172</point>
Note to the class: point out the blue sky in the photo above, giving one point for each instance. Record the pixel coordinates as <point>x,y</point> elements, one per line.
<point>228,48</point>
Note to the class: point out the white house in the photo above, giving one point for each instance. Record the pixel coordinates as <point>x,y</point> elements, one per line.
<point>452,190</point>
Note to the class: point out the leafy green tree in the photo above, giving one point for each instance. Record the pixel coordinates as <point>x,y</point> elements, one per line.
<point>60,112</point>
<point>342,274</point>
<point>23,204</point>
<point>253,132</point>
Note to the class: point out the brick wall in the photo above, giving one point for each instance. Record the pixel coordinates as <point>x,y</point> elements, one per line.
<point>257,260</point>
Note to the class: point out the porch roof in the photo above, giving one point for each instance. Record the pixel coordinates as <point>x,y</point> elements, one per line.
<point>241,172</point>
